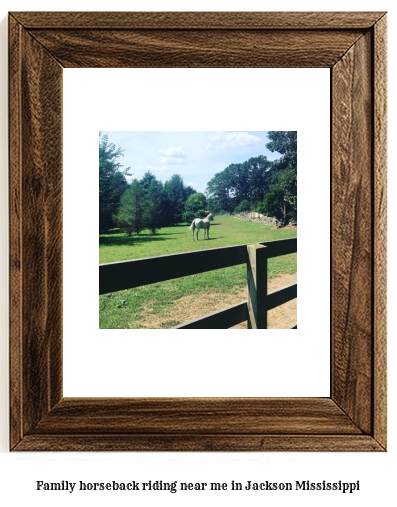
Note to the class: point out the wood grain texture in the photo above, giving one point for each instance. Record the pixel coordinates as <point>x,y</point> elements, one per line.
<point>15,225</point>
<point>199,443</point>
<point>380,230</point>
<point>353,45</point>
<point>172,416</point>
<point>352,239</point>
<point>36,241</point>
<point>196,48</point>
<point>202,20</point>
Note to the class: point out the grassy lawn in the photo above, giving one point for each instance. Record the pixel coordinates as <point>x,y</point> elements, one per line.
<point>128,308</point>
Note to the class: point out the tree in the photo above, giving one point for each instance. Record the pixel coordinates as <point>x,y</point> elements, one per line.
<point>238,182</point>
<point>282,141</point>
<point>275,205</point>
<point>112,182</point>
<point>143,206</point>
<point>130,217</point>
<point>222,188</point>
<point>215,207</point>
<point>195,207</point>
<point>175,191</point>
<point>269,187</point>
<point>282,199</point>
<point>244,205</point>
<point>255,179</point>
<point>187,192</point>
<point>153,215</point>
<point>147,180</point>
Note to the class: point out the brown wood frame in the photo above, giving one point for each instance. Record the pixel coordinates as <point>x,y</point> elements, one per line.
<point>353,46</point>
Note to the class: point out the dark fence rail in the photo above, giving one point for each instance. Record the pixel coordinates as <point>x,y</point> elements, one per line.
<point>221,319</point>
<point>129,274</point>
<point>122,275</point>
<point>238,313</point>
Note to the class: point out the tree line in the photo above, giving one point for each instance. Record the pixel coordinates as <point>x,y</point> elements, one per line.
<point>143,204</point>
<point>268,187</point>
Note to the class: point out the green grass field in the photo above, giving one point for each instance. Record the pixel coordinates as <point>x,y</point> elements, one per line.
<point>129,309</point>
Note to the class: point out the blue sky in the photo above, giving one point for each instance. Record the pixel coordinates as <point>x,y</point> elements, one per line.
<point>196,156</point>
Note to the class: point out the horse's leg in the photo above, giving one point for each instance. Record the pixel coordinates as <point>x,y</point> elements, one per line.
<point>198,229</point>
<point>194,226</point>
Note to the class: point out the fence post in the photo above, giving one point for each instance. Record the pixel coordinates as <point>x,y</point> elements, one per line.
<point>257,286</point>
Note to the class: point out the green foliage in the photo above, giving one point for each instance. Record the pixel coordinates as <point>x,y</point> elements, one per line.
<point>244,205</point>
<point>131,215</point>
<point>175,191</point>
<point>215,206</point>
<point>268,187</point>
<point>221,188</point>
<point>143,204</point>
<point>153,213</point>
<point>112,182</point>
<point>195,207</point>
<point>177,194</point>
<point>239,182</point>
<point>281,201</point>
<point>188,191</point>
<point>283,141</point>
<point>148,204</point>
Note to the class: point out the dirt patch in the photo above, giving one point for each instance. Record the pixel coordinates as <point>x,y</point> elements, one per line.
<point>194,306</point>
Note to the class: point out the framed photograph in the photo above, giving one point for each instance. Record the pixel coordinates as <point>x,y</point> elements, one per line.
<point>353,46</point>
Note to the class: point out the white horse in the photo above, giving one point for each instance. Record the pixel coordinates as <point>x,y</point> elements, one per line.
<point>200,223</point>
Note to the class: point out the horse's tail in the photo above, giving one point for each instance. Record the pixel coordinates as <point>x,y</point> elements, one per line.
<point>192,225</point>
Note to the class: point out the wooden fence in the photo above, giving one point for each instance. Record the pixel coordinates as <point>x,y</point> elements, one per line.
<point>129,274</point>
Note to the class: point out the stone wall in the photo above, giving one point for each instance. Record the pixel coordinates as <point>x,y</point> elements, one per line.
<point>258,218</point>
<point>252,216</point>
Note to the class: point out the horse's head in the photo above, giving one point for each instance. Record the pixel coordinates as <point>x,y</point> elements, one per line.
<point>210,217</point>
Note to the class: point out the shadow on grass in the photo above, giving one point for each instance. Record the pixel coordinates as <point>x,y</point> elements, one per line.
<point>209,239</point>
<point>110,231</point>
<point>170,233</point>
<point>132,241</point>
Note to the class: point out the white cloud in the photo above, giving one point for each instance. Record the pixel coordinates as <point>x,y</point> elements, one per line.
<point>172,155</point>
<point>171,160</point>
<point>233,139</point>
<point>170,152</point>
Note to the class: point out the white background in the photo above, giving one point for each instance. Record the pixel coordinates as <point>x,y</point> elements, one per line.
<point>215,363</point>
<point>18,471</point>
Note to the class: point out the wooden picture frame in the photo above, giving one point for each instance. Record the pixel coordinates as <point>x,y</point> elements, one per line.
<point>353,46</point>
